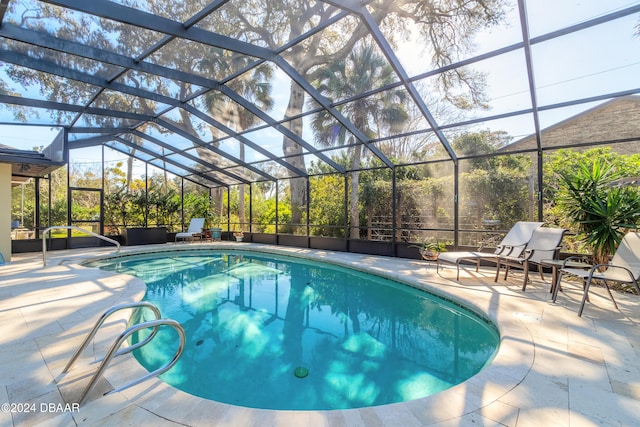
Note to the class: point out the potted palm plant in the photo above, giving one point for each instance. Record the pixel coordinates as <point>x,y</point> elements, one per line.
<point>602,212</point>
<point>430,249</point>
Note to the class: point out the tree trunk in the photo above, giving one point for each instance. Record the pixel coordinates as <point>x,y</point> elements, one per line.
<point>354,200</point>
<point>130,171</point>
<point>297,187</point>
<point>241,212</point>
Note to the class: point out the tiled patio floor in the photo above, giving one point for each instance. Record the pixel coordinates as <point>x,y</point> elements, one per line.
<point>553,368</point>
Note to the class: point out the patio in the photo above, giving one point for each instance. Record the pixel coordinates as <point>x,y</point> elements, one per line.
<point>553,368</point>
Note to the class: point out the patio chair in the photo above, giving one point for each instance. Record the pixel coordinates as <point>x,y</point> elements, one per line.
<point>194,230</point>
<point>512,244</point>
<point>624,267</point>
<point>544,245</point>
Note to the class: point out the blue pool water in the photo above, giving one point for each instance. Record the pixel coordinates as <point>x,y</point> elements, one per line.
<point>273,332</point>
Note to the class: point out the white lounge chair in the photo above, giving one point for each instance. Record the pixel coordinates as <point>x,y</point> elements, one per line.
<point>623,268</point>
<point>194,231</point>
<point>544,245</point>
<point>512,244</point>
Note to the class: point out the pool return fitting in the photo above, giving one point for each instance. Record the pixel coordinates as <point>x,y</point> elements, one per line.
<point>115,350</point>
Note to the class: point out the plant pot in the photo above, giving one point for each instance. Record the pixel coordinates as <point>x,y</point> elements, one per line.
<point>238,238</point>
<point>428,255</point>
<point>206,234</point>
<point>216,233</point>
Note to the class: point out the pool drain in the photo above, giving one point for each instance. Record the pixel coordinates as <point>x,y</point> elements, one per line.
<point>301,372</point>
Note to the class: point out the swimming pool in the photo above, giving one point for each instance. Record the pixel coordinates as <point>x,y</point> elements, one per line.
<point>275,332</point>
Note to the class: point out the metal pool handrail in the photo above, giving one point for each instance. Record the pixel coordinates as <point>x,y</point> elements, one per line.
<point>102,319</point>
<point>115,350</point>
<point>71,227</point>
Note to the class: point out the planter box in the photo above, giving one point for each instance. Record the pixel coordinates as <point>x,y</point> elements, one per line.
<point>87,242</point>
<point>328,243</point>
<point>270,239</point>
<point>404,251</point>
<point>60,243</point>
<point>32,245</point>
<point>144,235</point>
<point>371,247</point>
<point>293,240</point>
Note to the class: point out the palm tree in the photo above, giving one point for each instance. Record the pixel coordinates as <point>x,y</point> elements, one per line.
<point>362,71</point>
<point>255,87</point>
<point>602,211</point>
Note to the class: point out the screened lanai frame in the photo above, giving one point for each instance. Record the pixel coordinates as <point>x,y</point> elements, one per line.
<point>199,149</point>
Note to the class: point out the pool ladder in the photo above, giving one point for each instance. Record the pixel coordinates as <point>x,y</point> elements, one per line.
<point>115,350</point>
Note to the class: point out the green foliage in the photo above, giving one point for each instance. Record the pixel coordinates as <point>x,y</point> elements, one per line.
<point>83,211</point>
<point>497,187</point>
<point>375,189</point>
<point>566,162</point>
<point>602,212</point>
<point>477,144</point>
<point>22,204</point>
<point>53,213</point>
<point>492,187</point>
<point>360,72</point>
<point>431,245</point>
<point>200,206</point>
<point>499,193</point>
<point>123,209</point>
<point>327,209</point>
<point>164,208</point>
<point>265,216</point>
